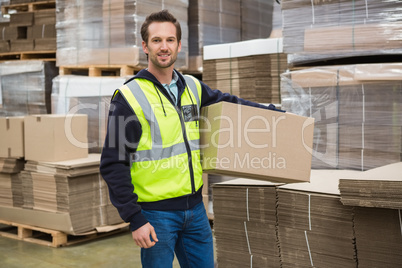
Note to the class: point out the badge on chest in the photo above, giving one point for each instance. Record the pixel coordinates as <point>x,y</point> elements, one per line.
<point>190,113</point>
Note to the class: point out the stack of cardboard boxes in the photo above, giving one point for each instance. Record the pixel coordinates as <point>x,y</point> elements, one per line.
<point>60,186</point>
<point>29,29</point>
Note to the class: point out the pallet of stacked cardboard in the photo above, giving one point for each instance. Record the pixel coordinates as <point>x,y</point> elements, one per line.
<point>245,223</point>
<point>314,228</point>
<point>248,69</point>
<point>98,33</point>
<point>262,224</point>
<point>376,196</point>
<point>357,110</point>
<point>26,87</point>
<point>325,31</point>
<point>213,22</point>
<point>30,32</point>
<point>50,183</point>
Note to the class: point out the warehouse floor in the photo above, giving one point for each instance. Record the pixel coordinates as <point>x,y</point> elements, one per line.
<point>118,250</point>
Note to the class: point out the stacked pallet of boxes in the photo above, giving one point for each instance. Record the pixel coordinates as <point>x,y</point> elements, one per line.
<point>358,111</point>
<point>54,175</point>
<point>322,30</point>
<point>352,103</point>
<point>344,72</point>
<point>218,22</point>
<point>109,32</point>
<point>30,29</point>
<point>247,69</point>
<point>284,225</point>
<point>29,33</point>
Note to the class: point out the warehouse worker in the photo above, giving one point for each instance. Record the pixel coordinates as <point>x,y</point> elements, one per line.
<point>151,156</point>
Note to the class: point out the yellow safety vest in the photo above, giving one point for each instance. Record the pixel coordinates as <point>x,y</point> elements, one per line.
<point>166,163</point>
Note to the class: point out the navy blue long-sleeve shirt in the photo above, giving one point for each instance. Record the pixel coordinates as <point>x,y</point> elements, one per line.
<point>123,134</point>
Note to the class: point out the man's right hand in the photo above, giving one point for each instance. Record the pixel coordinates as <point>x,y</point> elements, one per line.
<point>142,236</point>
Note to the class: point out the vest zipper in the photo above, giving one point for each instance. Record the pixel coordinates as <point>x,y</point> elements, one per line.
<point>186,143</point>
<point>190,158</point>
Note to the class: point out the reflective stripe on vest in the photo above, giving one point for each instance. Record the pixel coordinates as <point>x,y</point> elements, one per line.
<point>160,166</point>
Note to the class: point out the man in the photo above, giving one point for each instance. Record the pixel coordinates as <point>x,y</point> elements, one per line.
<point>151,156</point>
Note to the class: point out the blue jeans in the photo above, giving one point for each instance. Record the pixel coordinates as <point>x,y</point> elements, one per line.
<point>184,232</point>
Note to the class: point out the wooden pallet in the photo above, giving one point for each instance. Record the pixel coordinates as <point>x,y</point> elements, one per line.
<point>98,70</point>
<point>52,238</point>
<point>28,7</point>
<point>29,55</point>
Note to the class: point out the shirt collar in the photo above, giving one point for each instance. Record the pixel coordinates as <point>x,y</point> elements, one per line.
<point>175,76</point>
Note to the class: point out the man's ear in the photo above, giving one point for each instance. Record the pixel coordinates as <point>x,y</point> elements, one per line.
<point>179,48</point>
<point>144,47</point>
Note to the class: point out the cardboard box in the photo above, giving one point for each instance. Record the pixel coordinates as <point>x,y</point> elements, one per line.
<point>21,45</point>
<point>56,137</point>
<point>44,31</point>
<point>4,47</point>
<point>45,16</point>
<point>12,137</point>
<point>45,44</point>
<point>22,19</point>
<point>250,142</point>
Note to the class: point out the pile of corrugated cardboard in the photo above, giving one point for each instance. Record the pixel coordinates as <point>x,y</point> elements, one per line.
<point>357,111</point>
<point>376,197</point>
<point>222,21</point>
<point>379,187</point>
<point>314,228</point>
<point>245,223</point>
<point>248,69</point>
<point>10,182</point>
<point>57,183</point>
<point>262,224</point>
<point>33,29</point>
<point>327,30</point>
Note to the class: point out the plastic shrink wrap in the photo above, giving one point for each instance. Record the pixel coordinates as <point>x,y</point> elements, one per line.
<point>25,87</point>
<point>86,95</point>
<point>357,111</point>
<point>318,30</point>
<point>225,21</point>
<point>108,32</point>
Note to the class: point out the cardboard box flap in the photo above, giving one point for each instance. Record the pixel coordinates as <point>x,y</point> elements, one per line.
<point>323,181</point>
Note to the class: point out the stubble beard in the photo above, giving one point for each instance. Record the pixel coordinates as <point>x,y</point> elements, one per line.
<point>162,65</point>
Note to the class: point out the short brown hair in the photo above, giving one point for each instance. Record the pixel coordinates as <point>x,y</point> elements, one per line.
<point>161,16</point>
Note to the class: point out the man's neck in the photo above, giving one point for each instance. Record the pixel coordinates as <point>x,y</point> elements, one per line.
<point>164,76</point>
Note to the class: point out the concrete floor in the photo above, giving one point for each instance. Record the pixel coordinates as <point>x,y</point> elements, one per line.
<point>116,251</point>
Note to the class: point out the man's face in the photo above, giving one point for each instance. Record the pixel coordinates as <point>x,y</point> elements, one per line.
<point>162,47</point>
